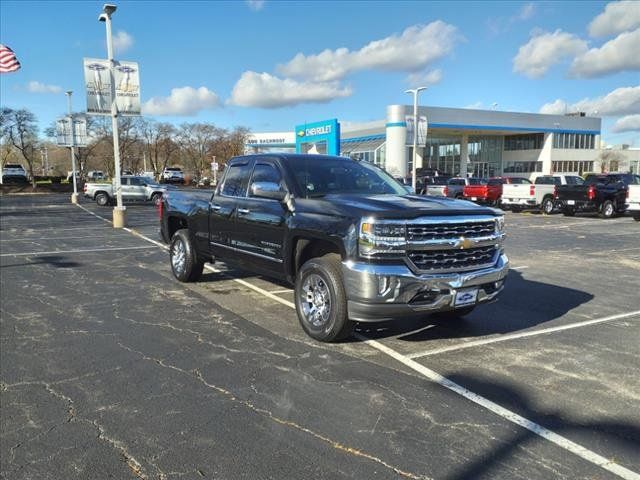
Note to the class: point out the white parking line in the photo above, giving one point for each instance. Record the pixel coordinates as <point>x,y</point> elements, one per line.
<point>284,290</point>
<point>521,267</point>
<point>52,252</point>
<point>513,417</point>
<point>513,336</point>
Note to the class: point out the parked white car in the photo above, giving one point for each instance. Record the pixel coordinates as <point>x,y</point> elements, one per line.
<point>134,188</point>
<point>14,173</point>
<point>539,195</point>
<point>96,175</point>
<point>173,174</point>
<point>633,199</point>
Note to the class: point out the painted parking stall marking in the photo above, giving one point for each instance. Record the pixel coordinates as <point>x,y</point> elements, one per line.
<point>433,376</point>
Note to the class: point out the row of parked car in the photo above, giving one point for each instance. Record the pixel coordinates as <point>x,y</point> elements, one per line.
<point>607,194</point>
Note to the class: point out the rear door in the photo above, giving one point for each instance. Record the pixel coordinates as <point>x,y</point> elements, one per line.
<point>261,222</point>
<point>137,191</point>
<point>224,204</point>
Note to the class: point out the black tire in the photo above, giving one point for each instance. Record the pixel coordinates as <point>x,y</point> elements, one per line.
<point>516,209</point>
<point>608,209</point>
<point>156,198</point>
<point>322,278</point>
<point>569,211</point>
<point>454,314</point>
<point>548,206</point>
<point>184,260</point>
<point>102,199</point>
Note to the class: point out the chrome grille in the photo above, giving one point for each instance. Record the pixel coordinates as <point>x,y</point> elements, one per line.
<point>450,230</point>
<point>433,260</point>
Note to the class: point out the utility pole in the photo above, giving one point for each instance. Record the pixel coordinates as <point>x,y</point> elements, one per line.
<point>74,195</point>
<point>415,92</point>
<point>119,211</point>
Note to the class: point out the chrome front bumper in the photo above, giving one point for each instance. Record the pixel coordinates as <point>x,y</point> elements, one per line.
<point>388,292</point>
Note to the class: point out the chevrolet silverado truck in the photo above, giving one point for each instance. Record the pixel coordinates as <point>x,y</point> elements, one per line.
<point>605,194</point>
<point>539,195</point>
<point>490,191</point>
<point>354,243</point>
<point>134,188</point>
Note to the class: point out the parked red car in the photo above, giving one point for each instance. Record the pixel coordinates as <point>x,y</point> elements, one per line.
<point>489,191</point>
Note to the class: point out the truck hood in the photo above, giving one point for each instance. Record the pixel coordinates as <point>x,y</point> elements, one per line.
<point>391,206</point>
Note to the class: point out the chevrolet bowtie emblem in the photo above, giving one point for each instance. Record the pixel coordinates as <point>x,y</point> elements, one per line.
<point>463,243</point>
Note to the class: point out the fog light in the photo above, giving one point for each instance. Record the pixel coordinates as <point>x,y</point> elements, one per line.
<point>383,285</point>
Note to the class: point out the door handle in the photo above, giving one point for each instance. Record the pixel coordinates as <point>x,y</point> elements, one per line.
<point>243,211</point>
<point>216,207</point>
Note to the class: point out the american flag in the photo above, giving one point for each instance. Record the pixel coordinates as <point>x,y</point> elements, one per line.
<point>8,60</point>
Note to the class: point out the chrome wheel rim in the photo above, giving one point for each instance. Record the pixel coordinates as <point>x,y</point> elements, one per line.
<point>548,206</point>
<point>315,300</point>
<point>608,211</point>
<point>178,256</point>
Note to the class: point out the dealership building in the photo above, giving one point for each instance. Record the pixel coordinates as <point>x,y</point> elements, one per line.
<point>460,141</point>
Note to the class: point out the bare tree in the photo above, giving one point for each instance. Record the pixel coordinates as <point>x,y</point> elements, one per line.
<point>20,127</point>
<point>159,143</point>
<point>610,161</point>
<point>229,144</point>
<point>196,140</point>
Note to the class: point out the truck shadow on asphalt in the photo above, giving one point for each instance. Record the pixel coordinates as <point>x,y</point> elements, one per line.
<point>56,261</point>
<point>616,438</point>
<point>523,304</point>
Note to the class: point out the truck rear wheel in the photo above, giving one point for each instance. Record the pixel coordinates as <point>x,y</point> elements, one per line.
<point>102,199</point>
<point>321,301</point>
<point>547,206</point>
<point>184,260</point>
<point>608,209</point>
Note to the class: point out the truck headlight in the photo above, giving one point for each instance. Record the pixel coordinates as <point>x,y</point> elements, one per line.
<point>500,224</point>
<point>383,240</point>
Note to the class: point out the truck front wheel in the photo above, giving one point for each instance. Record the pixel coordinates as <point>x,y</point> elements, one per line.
<point>321,302</point>
<point>102,199</point>
<point>547,206</point>
<point>184,260</point>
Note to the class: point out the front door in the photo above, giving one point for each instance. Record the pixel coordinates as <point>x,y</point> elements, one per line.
<point>261,223</point>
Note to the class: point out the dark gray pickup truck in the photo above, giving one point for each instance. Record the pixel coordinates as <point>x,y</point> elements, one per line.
<point>354,243</point>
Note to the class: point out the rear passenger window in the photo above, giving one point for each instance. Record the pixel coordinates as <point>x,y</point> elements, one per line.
<point>266,173</point>
<point>235,181</point>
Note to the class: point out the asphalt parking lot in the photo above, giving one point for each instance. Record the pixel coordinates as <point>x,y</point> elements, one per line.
<point>109,368</point>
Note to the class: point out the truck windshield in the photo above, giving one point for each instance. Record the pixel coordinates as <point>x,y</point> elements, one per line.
<point>321,176</point>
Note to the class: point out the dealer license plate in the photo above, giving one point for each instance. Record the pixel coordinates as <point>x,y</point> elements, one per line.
<point>474,198</point>
<point>571,202</point>
<point>466,297</point>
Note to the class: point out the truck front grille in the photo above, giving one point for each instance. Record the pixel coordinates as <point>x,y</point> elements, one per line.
<point>443,260</point>
<point>451,230</point>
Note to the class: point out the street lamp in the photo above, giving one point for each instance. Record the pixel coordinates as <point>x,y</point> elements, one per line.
<point>74,195</point>
<point>119,211</point>
<point>415,92</point>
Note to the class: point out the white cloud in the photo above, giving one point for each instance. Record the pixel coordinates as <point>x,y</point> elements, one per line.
<point>425,78</point>
<point>630,123</point>
<point>417,47</point>
<point>122,41</point>
<point>38,87</point>
<point>544,50</point>
<point>617,55</point>
<point>255,5</point>
<point>267,91</point>
<point>183,101</point>
<point>621,101</point>
<point>527,11</point>
<point>617,17</point>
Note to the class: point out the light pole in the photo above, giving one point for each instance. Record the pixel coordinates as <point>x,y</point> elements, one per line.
<point>74,195</point>
<point>415,92</point>
<point>119,211</point>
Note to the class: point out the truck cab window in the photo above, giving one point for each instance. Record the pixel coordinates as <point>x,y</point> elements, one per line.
<point>235,181</point>
<point>266,173</point>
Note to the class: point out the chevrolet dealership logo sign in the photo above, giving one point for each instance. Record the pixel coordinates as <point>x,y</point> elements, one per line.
<point>301,133</point>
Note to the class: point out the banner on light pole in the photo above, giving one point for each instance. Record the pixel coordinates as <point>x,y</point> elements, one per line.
<point>422,130</point>
<point>66,137</point>
<point>98,86</point>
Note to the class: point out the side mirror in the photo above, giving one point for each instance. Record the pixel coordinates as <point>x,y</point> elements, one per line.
<point>267,190</point>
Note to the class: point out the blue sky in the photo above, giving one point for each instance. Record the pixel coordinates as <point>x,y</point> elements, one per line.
<point>260,64</point>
